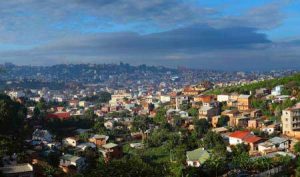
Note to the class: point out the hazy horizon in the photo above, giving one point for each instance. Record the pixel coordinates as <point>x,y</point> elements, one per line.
<point>237,35</point>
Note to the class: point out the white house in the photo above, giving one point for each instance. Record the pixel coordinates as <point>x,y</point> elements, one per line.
<point>68,160</point>
<point>165,98</point>
<point>109,124</point>
<point>70,141</point>
<point>276,143</point>
<point>41,135</point>
<point>84,146</point>
<point>183,114</point>
<point>222,98</point>
<point>196,157</point>
<point>277,90</point>
<point>245,137</point>
<point>16,94</point>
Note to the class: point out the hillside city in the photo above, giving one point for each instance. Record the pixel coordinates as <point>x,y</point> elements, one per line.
<point>104,120</point>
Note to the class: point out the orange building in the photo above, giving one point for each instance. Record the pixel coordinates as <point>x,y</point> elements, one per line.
<point>244,102</point>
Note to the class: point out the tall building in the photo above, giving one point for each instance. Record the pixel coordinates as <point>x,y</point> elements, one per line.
<point>244,102</point>
<point>291,121</point>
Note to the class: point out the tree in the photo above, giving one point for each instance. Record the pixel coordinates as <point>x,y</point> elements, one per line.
<point>36,113</point>
<point>104,97</point>
<point>223,120</point>
<point>297,147</point>
<point>42,105</point>
<point>160,116</point>
<point>201,126</point>
<point>216,162</point>
<point>193,112</point>
<point>132,166</point>
<point>212,140</point>
<point>53,159</point>
<point>89,114</point>
<point>12,115</point>
<point>241,161</point>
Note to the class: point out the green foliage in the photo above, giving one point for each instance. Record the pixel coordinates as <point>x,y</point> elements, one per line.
<point>102,97</point>
<point>36,113</point>
<point>193,112</point>
<point>201,126</point>
<point>89,114</point>
<point>140,123</point>
<point>124,113</point>
<point>130,167</point>
<point>185,106</point>
<point>241,161</point>
<point>223,121</point>
<point>53,159</point>
<point>160,116</point>
<point>297,147</point>
<point>63,128</point>
<point>216,163</point>
<point>12,115</point>
<point>290,82</point>
<point>213,140</point>
<point>160,136</point>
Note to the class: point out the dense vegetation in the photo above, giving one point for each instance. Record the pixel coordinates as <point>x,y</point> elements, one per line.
<point>290,83</point>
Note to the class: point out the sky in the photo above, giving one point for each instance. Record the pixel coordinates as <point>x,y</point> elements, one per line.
<point>205,34</point>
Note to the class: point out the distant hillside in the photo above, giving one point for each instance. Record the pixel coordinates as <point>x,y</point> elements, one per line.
<point>289,82</point>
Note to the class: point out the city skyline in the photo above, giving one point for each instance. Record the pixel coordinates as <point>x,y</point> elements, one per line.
<point>238,35</point>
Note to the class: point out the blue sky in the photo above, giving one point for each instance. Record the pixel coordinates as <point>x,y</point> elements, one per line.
<point>206,34</point>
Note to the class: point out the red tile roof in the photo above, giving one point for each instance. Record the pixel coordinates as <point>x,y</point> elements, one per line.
<point>239,134</point>
<point>252,139</point>
<point>59,115</point>
<point>245,136</point>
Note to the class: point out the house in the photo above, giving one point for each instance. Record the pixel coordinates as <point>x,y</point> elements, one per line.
<point>111,150</point>
<point>215,120</point>
<point>203,98</point>
<point>98,140</point>
<point>196,157</point>
<point>262,92</point>
<point>41,135</point>
<point>19,170</point>
<point>74,103</point>
<point>165,98</point>
<point>68,160</point>
<point>137,145</point>
<point>245,137</point>
<point>255,113</point>
<point>83,104</point>
<point>70,141</point>
<point>291,121</point>
<point>274,144</point>
<point>16,94</point>
<point>183,114</point>
<point>252,124</point>
<point>277,90</point>
<point>270,129</point>
<point>220,130</point>
<point>240,121</point>
<point>109,124</point>
<point>84,146</point>
<point>59,115</point>
<point>244,102</point>
<point>207,112</point>
<point>190,91</point>
<point>223,98</point>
